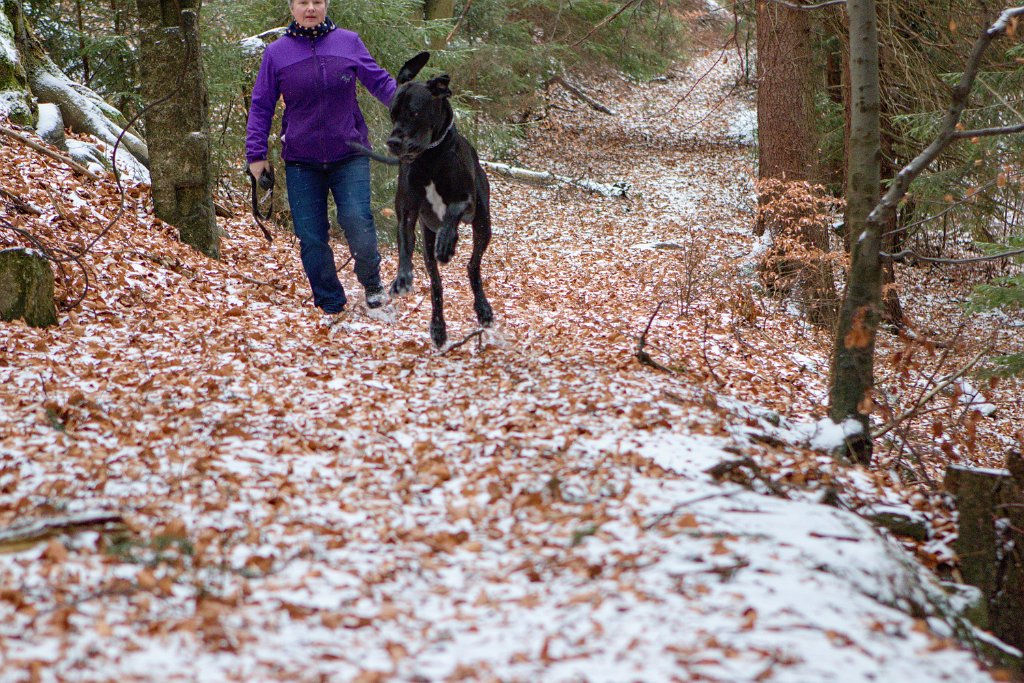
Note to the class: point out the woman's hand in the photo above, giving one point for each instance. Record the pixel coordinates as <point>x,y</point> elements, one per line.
<point>257,168</point>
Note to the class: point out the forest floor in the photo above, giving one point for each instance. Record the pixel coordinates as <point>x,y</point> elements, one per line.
<point>309,501</point>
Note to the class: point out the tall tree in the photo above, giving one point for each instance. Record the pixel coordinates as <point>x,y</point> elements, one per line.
<point>853,354</point>
<point>787,149</point>
<point>177,123</point>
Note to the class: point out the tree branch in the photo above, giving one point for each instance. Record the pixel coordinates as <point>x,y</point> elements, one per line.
<point>948,132</point>
<point>882,431</point>
<point>604,22</point>
<point>913,257</point>
<point>820,5</point>
<point>988,132</point>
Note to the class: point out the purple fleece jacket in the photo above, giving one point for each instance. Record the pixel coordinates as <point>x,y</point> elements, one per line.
<point>317,78</point>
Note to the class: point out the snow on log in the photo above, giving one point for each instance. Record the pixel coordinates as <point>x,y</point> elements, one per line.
<point>36,75</point>
<point>253,46</point>
<point>619,189</point>
<point>86,112</point>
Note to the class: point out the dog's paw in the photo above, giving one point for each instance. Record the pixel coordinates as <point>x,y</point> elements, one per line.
<point>445,247</point>
<point>484,314</point>
<point>402,284</point>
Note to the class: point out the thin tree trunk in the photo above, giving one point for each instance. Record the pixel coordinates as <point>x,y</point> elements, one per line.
<point>853,356</point>
<point>86,75</point>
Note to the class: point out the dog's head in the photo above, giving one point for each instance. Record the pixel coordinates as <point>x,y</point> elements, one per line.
<point>420,112</point>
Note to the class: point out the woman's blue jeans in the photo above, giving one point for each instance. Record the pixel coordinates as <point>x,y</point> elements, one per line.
<point>349,182</point>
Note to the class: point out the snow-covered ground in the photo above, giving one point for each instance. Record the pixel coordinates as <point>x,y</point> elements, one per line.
<point>308,503</point>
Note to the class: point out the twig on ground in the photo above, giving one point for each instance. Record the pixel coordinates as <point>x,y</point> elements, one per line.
<point>640,354</point>
<point>471,335</point>
<point>685,504</point>
<point>32,531</point>
<point>20,204</point>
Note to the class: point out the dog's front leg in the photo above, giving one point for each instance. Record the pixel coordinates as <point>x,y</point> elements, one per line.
<point>448,233</point>
<point>438,328</point>
<point>407,216</point>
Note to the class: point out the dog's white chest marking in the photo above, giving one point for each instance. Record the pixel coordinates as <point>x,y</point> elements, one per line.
<point>436,203</point>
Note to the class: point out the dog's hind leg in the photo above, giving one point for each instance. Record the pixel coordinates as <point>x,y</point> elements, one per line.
<point>481,238</point>
<point>438,329</point>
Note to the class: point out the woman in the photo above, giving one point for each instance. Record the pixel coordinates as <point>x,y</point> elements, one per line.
<point>314,66</point>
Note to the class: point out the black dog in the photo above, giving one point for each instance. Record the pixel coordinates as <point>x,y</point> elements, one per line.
<point>441,183</point>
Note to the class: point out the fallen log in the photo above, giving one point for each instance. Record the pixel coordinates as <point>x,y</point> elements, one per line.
<point>547,178</point>
<point>25,534</point>
<point>581,94</point>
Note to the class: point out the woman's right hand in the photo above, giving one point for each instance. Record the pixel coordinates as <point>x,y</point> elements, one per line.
<point>257,168</point>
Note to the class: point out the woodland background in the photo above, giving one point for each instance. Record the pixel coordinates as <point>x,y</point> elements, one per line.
<point>651,411</point>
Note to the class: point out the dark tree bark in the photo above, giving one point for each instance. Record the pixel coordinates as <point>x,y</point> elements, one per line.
<point>787,148</point>
<point>785,94</point>
<point>178,127</point>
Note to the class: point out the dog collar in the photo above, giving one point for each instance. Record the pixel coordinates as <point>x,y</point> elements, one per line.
<point>441,139</point>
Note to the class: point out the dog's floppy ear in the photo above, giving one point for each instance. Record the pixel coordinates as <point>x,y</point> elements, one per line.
<point>439,86</point>
<point>412,67</point>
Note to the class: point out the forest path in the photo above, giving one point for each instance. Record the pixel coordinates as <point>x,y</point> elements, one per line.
<point>312,503</point>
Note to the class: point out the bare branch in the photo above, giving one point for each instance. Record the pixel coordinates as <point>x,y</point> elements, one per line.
<point>458,23</point>
<point>947,132</point>
<point>605,21</point>
<point>881,431</point>
<point>820,5</point>
<point>907,255</point>
<point>988,132</point>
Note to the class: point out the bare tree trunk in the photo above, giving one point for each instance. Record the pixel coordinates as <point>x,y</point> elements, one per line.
<point>787,144</point>
<point>853,356</point>
<point>438,9</point>
<point>178,127</point>
<point>86,76</point>
<point>785,94</point>
<point>435,10</point>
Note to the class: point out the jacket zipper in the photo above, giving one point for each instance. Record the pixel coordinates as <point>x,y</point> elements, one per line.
<point>321,78</point>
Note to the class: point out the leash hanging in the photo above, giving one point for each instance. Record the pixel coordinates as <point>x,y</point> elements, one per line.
<point>265,182</point>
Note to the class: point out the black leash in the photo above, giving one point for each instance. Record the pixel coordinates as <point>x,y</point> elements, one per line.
<point>265,182</point>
